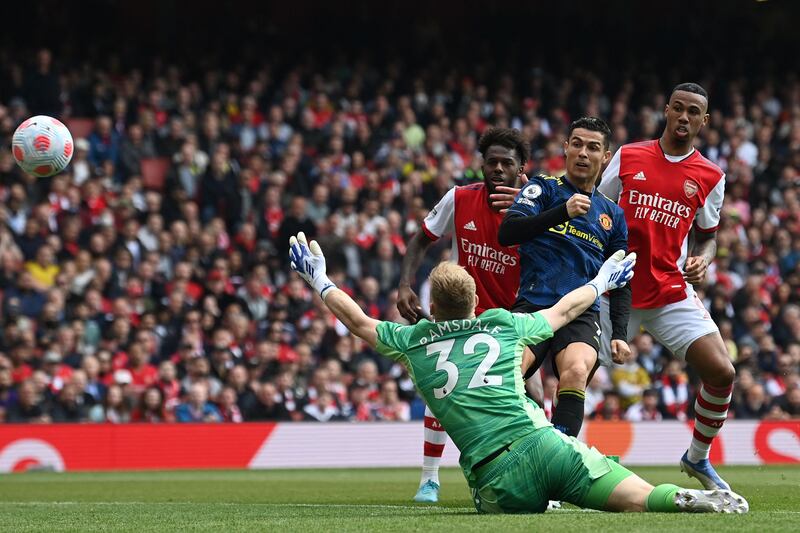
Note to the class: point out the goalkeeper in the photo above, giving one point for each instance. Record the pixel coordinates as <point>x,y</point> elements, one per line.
<point>469,372</point>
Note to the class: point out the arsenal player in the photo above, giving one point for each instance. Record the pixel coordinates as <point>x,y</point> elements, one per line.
<point>671,196</point>
<point>468,213</point>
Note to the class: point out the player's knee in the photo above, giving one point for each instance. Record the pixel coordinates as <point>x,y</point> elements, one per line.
<point>574,376</point>
<point>727,373</point>
<point>722,373</point>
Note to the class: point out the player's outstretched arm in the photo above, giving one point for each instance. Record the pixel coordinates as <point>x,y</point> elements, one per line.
<point>615,272</point>
<point>309,262</point>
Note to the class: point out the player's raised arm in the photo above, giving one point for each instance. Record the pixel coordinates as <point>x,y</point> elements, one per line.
<point>309,262</point>
<point>615,272</point>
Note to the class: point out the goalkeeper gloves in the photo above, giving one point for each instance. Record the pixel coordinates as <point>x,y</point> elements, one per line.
<point>308,261</point>
<point>615,272</point>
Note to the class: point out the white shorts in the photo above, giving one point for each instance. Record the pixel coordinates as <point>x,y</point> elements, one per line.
<point>675,326</point>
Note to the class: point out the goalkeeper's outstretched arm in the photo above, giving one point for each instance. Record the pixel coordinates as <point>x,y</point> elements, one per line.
<point>307,260</point>
<point>352,316</point>
<point>614,273</point>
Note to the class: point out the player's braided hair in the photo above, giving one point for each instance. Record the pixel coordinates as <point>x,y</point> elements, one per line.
<point>510,138</point>
<point>592,124</point>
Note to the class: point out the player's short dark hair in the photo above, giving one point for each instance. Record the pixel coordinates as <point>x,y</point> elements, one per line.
<point>510,138</point>
<point>592,124</point>
<point>690,88</point>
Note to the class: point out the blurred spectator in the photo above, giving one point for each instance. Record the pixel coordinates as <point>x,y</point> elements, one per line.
<point>197,408</point>
<point>323,409</point>
<point>103,143</point>
<point>674,388</point>
<point>389,406</point>
<point>228,409</point>
<point>270,405</point>
<point>115,408</point>
<point>29,406</point>
<point>755,403</point>
<point>630,380</point>
<point>789,403</point>
<point>645,409</point>
<point>68,407</point>
<point>151,407</point>
<point>609,408</point>
<point>42,88</point>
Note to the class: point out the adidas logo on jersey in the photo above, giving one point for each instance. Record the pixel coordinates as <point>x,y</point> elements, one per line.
<point>471,225</point>
<point>640,176</point>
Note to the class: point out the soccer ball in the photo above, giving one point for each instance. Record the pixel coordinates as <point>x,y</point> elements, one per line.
<point>42,146</point>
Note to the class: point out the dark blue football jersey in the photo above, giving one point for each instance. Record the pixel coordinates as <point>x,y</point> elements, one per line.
<point>569,255</point>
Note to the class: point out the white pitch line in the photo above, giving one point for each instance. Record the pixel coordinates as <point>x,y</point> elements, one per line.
<point>310,505</point>
<point>428,509</point>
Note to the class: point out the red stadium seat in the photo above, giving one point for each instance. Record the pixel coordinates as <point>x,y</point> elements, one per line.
<point>80,127</point>
<point>154,172</point>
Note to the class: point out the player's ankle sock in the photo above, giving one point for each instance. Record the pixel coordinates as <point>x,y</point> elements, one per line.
<point>662,499</point>
<point>568,414</point>
<point>711,410</point>
<point>435,437</point>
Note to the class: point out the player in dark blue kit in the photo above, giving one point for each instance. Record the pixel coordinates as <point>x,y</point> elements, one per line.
<point>566,230</point>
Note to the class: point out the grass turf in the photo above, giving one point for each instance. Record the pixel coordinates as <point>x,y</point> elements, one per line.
<point>344,500</point>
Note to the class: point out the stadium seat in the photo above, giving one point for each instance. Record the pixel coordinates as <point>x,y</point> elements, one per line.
<point>80,127</point>
<point>154,172</point>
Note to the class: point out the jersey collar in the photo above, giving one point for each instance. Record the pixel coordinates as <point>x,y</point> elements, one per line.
<point>569,184</point>
<point>675,158</point>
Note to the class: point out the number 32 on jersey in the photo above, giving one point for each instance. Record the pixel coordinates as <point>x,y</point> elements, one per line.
<point>480,378</point>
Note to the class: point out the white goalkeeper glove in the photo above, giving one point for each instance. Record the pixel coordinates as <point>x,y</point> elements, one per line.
<point>308,261</point>
<point>615,272</point>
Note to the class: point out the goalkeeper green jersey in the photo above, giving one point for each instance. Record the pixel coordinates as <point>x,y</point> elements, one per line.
<point>468,372</point>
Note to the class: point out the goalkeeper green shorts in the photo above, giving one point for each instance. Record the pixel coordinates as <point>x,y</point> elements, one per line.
<point>545,465</point>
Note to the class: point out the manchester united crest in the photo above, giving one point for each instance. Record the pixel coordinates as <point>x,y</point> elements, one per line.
<point>606,222</point>
<point>689,188</point>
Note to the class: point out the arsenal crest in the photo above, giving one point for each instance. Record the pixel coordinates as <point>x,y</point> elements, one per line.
<point>689,188</point>
<point>605,221</point>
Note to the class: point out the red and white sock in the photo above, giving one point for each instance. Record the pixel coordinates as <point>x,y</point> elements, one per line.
<point>711,410</point>
<point>435,438</point>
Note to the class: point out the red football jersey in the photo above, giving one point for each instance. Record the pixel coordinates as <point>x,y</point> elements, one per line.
<point>662,197</point>
<point>465,212</point>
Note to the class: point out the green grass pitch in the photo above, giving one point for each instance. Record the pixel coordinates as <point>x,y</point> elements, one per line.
<point>345,500</point>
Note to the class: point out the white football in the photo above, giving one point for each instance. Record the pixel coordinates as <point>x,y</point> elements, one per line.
<point>42,146</point>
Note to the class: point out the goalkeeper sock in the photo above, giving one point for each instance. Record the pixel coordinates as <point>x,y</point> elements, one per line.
<point>568,413</point>
<point>662,499</point>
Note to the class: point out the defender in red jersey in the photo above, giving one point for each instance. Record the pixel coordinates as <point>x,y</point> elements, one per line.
<point>671,196</point>
<point>468,213</point>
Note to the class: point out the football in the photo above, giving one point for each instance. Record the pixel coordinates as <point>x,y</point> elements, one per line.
<point>42,146</point>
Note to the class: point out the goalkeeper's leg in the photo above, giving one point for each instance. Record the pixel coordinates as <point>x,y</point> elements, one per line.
<point>622,490</point>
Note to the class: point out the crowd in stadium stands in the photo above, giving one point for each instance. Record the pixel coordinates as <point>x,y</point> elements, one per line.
<point>132,296</point>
